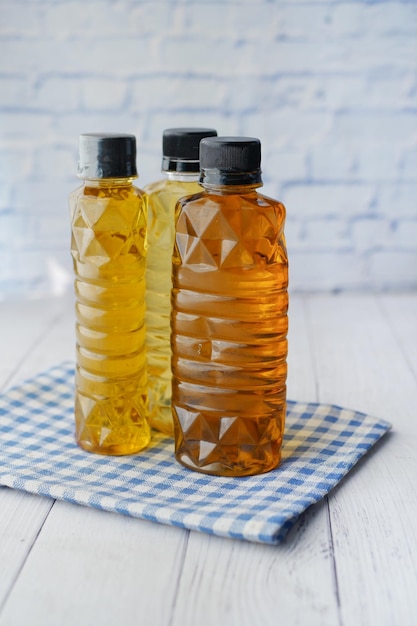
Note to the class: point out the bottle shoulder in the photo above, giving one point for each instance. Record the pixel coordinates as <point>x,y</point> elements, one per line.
<point>264,200</point>
<point>76,192</point>
<point>107,201</point>
<point>162,198</point>
<point>170,186</point>
<point>119,191</point>
<point>229,200</point>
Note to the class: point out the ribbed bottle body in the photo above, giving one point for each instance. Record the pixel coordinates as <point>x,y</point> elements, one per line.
<point>163,196</point>
<point>229,333</point>
<point>108,246</point>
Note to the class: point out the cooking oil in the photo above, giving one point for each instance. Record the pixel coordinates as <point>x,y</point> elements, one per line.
<point>229,319</point>
<point>181,166</point>
<point>108,246</point>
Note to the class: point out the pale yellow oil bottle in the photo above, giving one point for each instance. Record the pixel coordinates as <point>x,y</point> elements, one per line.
<point>229,319</point>
<point>108,246</point>
<point>180,165</point>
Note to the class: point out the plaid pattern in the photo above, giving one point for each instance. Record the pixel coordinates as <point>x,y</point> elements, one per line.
<point>38,454</point>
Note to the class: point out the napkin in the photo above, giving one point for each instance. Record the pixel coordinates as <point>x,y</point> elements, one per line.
<point>38,454</point>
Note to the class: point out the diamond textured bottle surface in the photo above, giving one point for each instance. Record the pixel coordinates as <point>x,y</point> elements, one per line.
<point>229,317</point>
<point>108,246</point>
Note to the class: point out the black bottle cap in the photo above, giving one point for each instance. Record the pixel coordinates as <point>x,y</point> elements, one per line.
<point>103,155</point>
<point>230,161</point>
<point>180,148</point>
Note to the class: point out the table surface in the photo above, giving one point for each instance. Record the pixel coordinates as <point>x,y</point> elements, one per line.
<point>350,560</point>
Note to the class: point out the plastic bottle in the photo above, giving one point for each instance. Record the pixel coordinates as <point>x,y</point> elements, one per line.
<point>181,165</point>
<point>229,320</point>
<point>108,246</point>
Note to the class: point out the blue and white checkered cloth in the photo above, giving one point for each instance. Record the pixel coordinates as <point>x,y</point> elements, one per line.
<point>38,454</point>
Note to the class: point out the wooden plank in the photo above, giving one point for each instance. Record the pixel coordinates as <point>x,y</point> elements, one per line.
<point>21,519</point>
<point>93,567</point>
<point>32,337</point>
<point>43,334</point>
<point>373,521</point>
<point>23,326</point>
<point>373,511</point>
<point>358,361</point>
<point>232,582</point>
<point>401,314</point>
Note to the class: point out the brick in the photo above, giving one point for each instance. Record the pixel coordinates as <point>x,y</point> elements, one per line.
<point>15,164</point>
<point>227,20</point>
<point>326,271</point>
<point>103,95</point>
<point>292,129</point>
<point>387,128</point>
<point>393,270</point>
<point>26,126</point>
<point>55,227</point>
<point>333,161</point>
<point>59,160</point>
<point>329,201</point>
<point>397,201</point>
<point>284,166</point>
<point>61,20</point>
<point>374,163</point>
<point>272,92</point>
<point>387,18</point>
<point>317,16</point>
<point>5,198</point>
<point>108,19</point>
<point>408,164</point>
<point>57,95</point>
<point>326,235</point>
<point>175,92</point>
<point>186,54</point>
<point>358,93</point>
<point>370,233</point>
<point>391,93</point>
<point>46,195</point>
<point>80,57</point>
<point>11,22</point>
<point>15,226</point>
<point>348,55</point>
<point>15,92</point>
<point>403,235</point>
<point>325,93</point>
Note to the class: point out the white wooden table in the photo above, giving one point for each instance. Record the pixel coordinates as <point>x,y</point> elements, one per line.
<point>351,560</point>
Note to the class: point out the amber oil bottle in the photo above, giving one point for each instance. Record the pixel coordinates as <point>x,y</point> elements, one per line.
<point>229,316</point>
<point>181,168</point>
<point>108,247</point>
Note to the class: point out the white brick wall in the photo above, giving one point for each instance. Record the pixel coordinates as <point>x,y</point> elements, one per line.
<point>330,88</point>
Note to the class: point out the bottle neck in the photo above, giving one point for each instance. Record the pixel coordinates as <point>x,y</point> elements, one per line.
<point>183,177</point>
<point>225,177</point>
<point>230,189</point>
<point>109,182</point>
